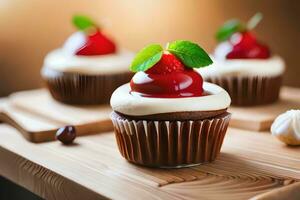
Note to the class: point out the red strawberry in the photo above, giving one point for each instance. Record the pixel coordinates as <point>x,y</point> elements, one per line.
<point>167,64</point>
<point>96,44</point>
<point>89,40</point>
<point>246,46</point>
<point>242,46</point>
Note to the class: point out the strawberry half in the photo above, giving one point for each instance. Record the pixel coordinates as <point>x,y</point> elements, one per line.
<point>167,64</point>
<point>96,44</point>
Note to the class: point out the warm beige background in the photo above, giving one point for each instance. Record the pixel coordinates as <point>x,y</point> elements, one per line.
<point>30,28</point>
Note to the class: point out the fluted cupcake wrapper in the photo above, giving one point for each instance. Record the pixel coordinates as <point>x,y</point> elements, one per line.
<point>170,143</point>
<point>73,88</point>
<point>249,90</point>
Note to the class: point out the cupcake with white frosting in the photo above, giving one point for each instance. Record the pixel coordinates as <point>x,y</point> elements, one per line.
<point>244,66</point>
<point>167,116</point>
<point>88,67</point>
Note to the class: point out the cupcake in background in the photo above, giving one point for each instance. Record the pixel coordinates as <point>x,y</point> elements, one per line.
<point>244,66</point>
<point>167,116</point>
<point>88,67</point>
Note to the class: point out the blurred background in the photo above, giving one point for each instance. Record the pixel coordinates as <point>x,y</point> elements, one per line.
<point>31,28</point>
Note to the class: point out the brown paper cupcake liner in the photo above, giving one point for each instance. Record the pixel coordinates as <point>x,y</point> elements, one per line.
<point>73,88</point>
<point>170,143</point>
<point>250,90</point>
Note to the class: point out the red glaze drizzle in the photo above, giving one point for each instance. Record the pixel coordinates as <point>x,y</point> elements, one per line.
<point>187,83</point>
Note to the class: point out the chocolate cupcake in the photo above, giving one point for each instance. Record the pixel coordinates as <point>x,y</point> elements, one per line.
<point>244,66</point>
<point>87,68</point>
<point>166,116</point>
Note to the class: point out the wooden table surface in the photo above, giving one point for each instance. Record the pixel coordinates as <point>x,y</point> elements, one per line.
<point>250,163</point>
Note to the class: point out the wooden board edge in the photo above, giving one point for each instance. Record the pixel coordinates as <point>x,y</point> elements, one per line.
<point>35,137</point>
<point>241,124</point>
<point>94,128</point>
<point>251,125</point>
<point>49,135</point>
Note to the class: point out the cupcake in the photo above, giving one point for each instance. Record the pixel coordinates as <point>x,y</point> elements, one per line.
<point>88,67</point>
<point>167,116</point>
<point>244,66</point>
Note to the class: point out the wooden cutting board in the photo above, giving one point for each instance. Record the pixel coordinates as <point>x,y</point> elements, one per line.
<point>37,116</point>
<point>260,118</point>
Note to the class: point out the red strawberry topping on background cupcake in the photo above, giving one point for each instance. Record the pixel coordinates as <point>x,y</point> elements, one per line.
<point>237,41</point>
<point>89,40</point>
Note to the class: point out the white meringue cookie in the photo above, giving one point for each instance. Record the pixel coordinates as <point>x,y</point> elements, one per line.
<point>287,127</point>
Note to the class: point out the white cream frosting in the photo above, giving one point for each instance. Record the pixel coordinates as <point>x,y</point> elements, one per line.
<point>243,67</point>
<point>63,61</point>
<point>287,127</point>
<point>134,105</point>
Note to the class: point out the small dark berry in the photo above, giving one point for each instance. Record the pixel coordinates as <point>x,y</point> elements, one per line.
<point>66,134</point>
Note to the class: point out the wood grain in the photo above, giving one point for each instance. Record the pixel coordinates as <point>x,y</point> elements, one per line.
<point>260,118</point>
<point>289,192</point>
<point>37,116</point>
<point>250,163</point>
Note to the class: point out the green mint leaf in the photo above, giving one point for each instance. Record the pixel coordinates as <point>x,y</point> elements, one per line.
<point>230,27</point>
<point>83,22</point>
<point>146,58</point>
<point>191,54</point>
<point>253,21</point>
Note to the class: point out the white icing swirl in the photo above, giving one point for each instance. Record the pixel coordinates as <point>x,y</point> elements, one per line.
<point>243,67</point>
<point>63,61</point>
<point>287,127</point>
<point>134,105</point>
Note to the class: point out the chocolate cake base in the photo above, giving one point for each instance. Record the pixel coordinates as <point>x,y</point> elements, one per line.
<point>73,88</point>
<point>170,144</point>
<point>174,116</point>
<point>250,90</point>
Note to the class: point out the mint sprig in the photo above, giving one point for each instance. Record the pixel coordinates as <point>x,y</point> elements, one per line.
<point>229,28</point>
<point>146,58</point>
<point>83,23</point>
<point>191,54</point>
